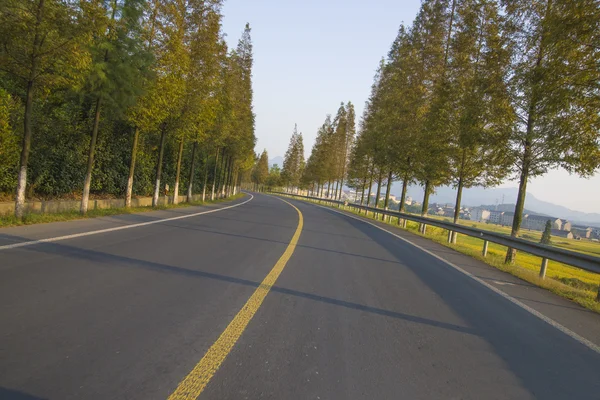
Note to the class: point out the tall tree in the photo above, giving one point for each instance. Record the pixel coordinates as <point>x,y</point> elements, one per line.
<point>554,87</point>
<point>293,162</point>
<point>481,111</point>
<point>41,47</point>
<point>348,140</point>
<point>261,170</point>
<point>118,59</point>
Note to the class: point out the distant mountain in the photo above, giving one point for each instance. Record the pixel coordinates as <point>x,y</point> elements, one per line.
<point>503,197</point>
<point>276,160</point>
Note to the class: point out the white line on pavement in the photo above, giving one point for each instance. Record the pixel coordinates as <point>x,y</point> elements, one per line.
<point>118,228</point>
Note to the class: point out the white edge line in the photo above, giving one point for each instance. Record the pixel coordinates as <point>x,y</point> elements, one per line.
<point>532,311</point>
<point>118,228</point>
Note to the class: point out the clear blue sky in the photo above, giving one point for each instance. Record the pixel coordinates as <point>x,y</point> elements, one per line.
<point>311,55</point>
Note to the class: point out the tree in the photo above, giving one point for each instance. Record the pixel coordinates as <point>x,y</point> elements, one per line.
<point>431,33</point>
<point>293,162</point>
<point>554,89</point>
<point>274,178</point>
<point>546,236</point>
<point>482,115</point>
<point>119,61</point>
<point>261,170</point>
<point>41,47</point>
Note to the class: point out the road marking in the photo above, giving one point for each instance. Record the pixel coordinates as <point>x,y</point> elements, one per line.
<point>194,383</point>
<point>118,228</point>
<point>550,321</point>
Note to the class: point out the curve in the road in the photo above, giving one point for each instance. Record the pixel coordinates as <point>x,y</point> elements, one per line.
<point>194,383</point>
<point>118,228</point>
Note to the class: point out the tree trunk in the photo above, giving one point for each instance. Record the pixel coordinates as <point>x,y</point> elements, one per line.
<point>335,195</point>
<point>129,189</point>
<point>520,206</point>
<point>370,186</point>
<point>457,206</point>
<point>178,173</point>
<point>379,179</point>
<point>387,193</point>
<point>90,164</point>
<point>22,178</point>
<point>205,181</point>
<point>229,177</point>
<point>225,175</point>
<point>425,206</point>
<point>212,194</point>
<point>26,146</point>
<point>459,191</point>
<point>364,187</point>
<point>403,195</point>
<point>191,177</point>
<point>161,152</point>
<point>220,172</point>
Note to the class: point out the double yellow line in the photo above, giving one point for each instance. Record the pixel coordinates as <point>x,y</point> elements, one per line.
<point>194,383</point>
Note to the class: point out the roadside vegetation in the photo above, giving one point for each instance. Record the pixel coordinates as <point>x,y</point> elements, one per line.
<point>121,98</point>
<point>42,218</point>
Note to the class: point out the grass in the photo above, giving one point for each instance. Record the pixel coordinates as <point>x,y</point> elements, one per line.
<point>40,218</point>
<point>572,283</point>
<point>581,246</point>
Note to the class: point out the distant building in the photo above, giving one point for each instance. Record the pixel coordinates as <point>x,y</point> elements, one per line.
<point>495,216</point>
<point>538,222</point>
<point>408,200</point>
<point>565,225</point>
<point>582,231</point>
<point>562,234</point>
<point>480,214</point>
<point>507,218</point>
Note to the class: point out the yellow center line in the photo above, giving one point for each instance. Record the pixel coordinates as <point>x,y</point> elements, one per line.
<point>194,383</point>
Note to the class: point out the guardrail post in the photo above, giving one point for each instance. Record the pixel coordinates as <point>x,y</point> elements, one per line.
<point>449,236</point>
<point>543,268</point>
<point>485,248</point>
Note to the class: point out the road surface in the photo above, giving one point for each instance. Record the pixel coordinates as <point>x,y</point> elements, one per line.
<point>233,304</point>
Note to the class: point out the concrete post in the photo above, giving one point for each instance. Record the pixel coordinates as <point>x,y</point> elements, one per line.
<point>543,268</point>
<point>485,248</point>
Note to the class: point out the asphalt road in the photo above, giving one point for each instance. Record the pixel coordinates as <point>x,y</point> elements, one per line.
<point>355,314</point>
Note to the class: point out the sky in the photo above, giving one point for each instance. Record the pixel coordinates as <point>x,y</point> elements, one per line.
<point>310,55</point>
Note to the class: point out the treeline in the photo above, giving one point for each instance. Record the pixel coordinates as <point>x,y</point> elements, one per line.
<point>122,98</point>
<point>472,93</point>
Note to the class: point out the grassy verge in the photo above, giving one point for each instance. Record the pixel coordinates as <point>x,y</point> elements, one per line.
<point>581,246</point>
<point>40,218</point>
<point>571,283</point>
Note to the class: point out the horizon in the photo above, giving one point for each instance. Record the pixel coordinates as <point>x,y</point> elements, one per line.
<point>314,62</point>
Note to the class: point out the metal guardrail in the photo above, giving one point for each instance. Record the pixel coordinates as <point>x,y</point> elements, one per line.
<point>572,258</point>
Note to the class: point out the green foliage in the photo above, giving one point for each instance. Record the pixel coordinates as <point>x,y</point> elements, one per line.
<point>293,162</point>
<point>10,122</point>
<point>546,236</point>
<point>154,64</point>
<point>260,173</point>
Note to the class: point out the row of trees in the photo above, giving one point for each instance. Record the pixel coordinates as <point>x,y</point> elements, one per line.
<point>472,93</point>
<point>327,166</point>
<point>118,96</point>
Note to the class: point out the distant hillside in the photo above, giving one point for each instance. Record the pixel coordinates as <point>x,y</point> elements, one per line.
<point>276,160</point>
<point>503,197</point>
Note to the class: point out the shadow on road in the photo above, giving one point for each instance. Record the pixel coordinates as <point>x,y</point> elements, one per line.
<point>8,394</point>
